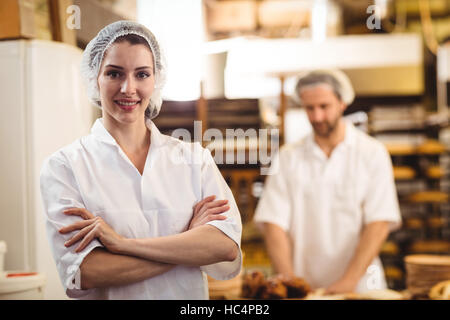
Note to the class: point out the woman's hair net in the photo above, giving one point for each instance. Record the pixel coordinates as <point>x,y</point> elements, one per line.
<point>336,79</point>
<point>95,51</point>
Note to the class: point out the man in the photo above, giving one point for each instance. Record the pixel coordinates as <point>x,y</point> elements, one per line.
<point>331,201</point>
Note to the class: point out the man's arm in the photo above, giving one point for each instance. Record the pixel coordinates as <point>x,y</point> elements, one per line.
<point>101,268</point>
<point>279,248</point>
<point>372,238</point>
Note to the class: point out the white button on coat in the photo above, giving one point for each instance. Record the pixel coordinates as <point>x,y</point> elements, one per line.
<point>94,173</point>
<point>324,203</point>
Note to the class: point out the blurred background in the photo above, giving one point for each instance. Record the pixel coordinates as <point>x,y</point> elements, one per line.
<point>233,64</point>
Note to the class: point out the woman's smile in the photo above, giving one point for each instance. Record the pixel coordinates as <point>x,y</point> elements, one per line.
<point>127,105</point>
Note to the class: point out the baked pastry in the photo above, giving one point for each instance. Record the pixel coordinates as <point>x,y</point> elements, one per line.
<point>296,287</point>
<point>429,196</point>
<point>253,284</point>
<point>390,248</point>
<point>430,246</point>
<point>397,149</point>
<point>435,172</point>
<point>431,147</point>
<point>403,172</point>
<point>440,291</point>
<point>256,286</point>
<point>274,289</point>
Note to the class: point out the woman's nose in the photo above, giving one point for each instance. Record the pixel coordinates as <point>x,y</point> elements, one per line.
<point>128,86</point>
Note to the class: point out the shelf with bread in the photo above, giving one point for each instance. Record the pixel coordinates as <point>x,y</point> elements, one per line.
<point>429,147</point>
<point>429,196</point>
<point>422,173</point>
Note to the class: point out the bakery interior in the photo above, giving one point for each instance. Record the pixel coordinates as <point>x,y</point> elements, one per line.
<point>243,58</point>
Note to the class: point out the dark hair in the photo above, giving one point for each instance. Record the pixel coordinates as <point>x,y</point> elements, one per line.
<point>132,39</point>
<point>135,39</point>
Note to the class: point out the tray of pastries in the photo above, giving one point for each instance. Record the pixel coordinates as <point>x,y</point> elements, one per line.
<point>256,286</point>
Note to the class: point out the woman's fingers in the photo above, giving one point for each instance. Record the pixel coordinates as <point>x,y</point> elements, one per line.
<point>209,215</point>
<point>210,218</point>
<point>88,238</point>
<point>220,209</point>
<point>214,211</point>
<point>76,226</point>
<point>79,235</point>
<point>212,204</point>
<point>199,205</point>
<point>85,214</point>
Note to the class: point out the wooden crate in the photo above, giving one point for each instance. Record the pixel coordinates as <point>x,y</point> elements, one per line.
<point>17,19</point>
<point>229,16</point>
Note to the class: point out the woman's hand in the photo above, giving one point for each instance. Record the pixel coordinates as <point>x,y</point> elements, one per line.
<point>208,210</point>
<point>90,228</point>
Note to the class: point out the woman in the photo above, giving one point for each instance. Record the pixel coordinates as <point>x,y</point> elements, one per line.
<point>124,208</point>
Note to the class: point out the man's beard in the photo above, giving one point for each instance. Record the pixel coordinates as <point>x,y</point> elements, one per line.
<point>325,129</point>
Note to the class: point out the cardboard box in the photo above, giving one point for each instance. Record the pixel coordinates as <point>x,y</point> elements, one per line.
<point>229,16</point>
<point>60,27</point>
<point>17,19</point>
<point>282,14</point>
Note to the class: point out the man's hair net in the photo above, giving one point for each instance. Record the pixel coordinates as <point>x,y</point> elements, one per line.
<point>95,51</point>
<point>336,79</point>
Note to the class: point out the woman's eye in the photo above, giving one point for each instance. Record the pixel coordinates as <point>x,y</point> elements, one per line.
<point>143,75</point>
<point>113,74</point>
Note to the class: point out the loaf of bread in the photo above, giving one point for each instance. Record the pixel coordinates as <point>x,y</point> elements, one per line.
<point>256,286</point>
<point>440,291</point>
<point>403,172</point>
<point>429,196</point>
<point>431,147</point>
<point>297,287</point>
<point>274,289</point>
<point>253,284</point>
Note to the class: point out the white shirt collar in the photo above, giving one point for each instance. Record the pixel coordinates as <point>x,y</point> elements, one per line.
<point>349,139</point>
<point>99,131</point>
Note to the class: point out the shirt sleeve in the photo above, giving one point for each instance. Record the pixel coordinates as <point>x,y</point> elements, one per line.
<point>274,206</point>
<point>59,191</point>
<point>381,203</point>
<point>213,183</point>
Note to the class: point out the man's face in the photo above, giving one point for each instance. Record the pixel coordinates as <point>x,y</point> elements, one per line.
<point>323,107</point>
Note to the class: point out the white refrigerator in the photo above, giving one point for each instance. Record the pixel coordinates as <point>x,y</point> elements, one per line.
<point>43,108</point>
